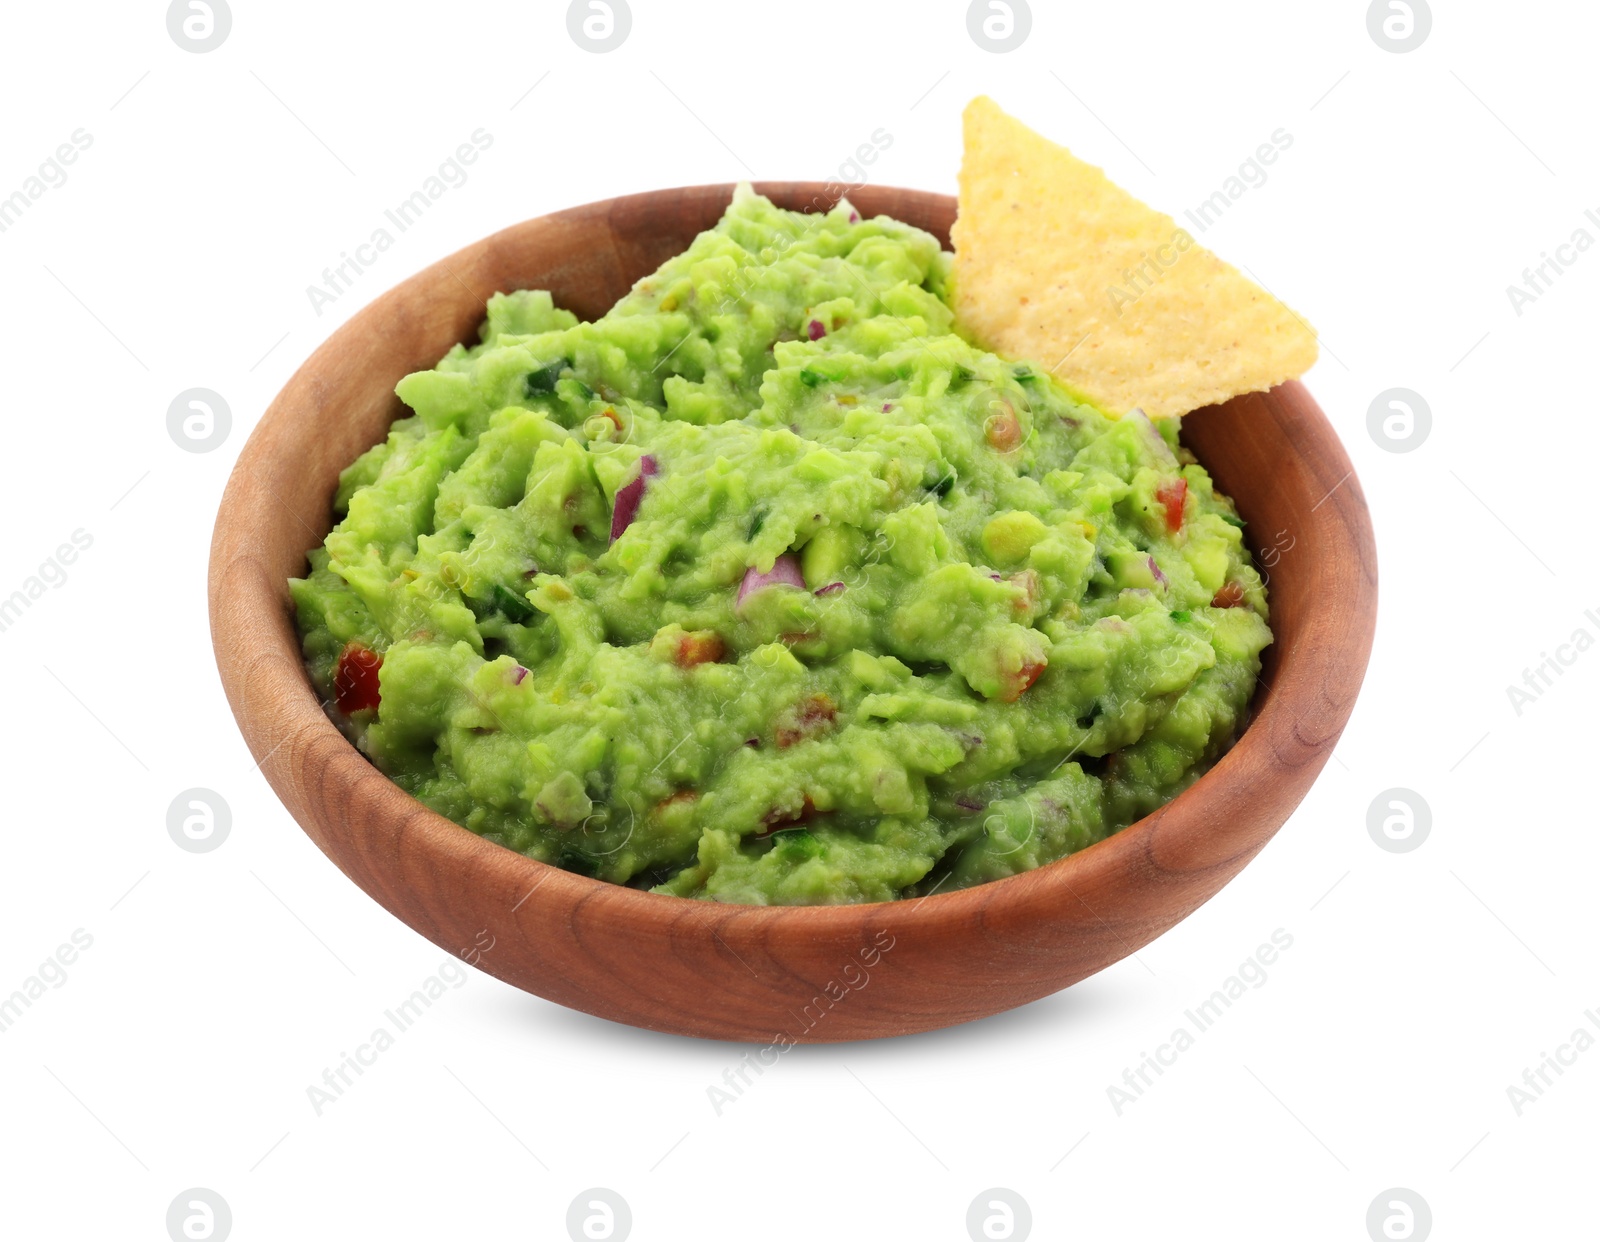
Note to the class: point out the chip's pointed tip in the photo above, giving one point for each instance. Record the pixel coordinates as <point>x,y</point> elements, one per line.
<point>980,106</point>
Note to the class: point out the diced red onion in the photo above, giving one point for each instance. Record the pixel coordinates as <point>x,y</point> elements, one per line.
<point>785,571</point>
<point>629,496</point>
<point>855,217</point>
<point>815,330</point>
<point>1163,451</point>
<point>518,675</point>
<point>833,588</point>
<point>1156,570</point>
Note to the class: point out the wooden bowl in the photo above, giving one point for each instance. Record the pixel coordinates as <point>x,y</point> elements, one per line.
<point>768,975</point>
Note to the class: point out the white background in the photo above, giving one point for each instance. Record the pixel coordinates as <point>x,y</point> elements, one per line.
<point>1420,985</point>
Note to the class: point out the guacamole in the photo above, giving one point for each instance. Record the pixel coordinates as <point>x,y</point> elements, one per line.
<point>770,587</point>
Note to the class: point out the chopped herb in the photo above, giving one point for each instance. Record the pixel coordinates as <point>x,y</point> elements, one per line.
<point>811,378</point>
<point>576,860</point>
<point>758,519</point>
<point>1024,374</point>
<point>797,845</point>
<point>513,605</point>
<point>1182,615</point>
<point>542,380</point>
<point>1231,520</point>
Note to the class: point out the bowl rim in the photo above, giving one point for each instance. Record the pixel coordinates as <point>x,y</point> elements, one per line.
<point>299,747</point>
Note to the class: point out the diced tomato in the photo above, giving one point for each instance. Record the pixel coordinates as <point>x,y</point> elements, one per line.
<point>1016,684</point>
<point>1172,495</point>
<point>776,819</point>
<point>677,799</point>
<point>1028,580</point>
<point>616,419</point>
<point>1003,429</point>
<point>699,647</point>
<point>355,680</point>
<point>813,716</point>
<point>1230,596</point>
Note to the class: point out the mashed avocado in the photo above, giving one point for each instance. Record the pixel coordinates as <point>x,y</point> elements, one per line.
<point>769,587</point>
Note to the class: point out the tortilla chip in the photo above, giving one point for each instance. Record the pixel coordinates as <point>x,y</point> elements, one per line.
<point>1056,265</point>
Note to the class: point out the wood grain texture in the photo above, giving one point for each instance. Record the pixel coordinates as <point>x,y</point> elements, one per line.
<point>738,972</point>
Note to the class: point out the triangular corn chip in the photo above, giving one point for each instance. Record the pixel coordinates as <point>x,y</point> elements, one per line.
<point>1056,265</point>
